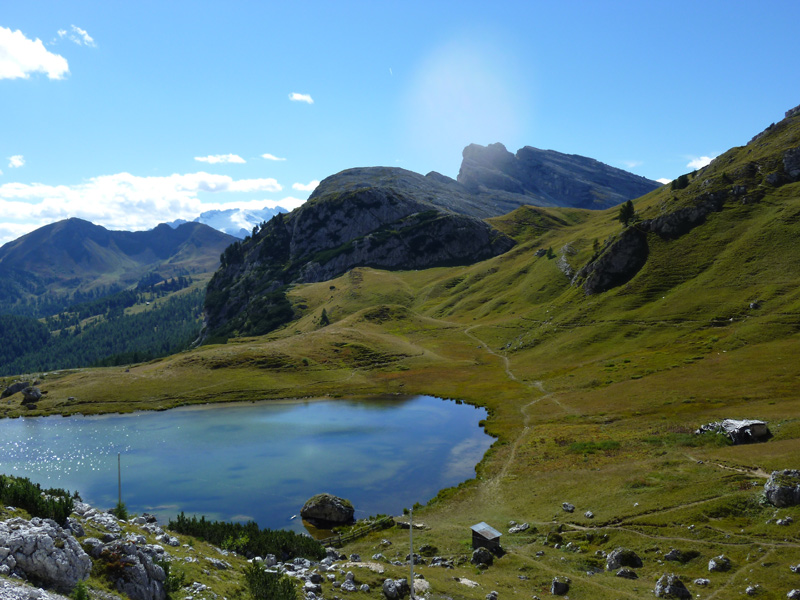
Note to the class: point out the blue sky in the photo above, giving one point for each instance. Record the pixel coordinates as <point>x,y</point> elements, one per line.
<point>134,113</point>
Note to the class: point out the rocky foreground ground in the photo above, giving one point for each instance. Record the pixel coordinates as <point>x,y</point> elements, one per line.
<point>138,559</point>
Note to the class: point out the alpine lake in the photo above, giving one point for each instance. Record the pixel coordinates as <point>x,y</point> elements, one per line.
<point>254,461</point>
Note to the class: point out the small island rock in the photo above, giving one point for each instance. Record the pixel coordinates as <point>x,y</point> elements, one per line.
<point>328,508</point>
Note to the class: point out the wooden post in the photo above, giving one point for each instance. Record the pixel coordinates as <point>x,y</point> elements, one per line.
<point>411,550</point>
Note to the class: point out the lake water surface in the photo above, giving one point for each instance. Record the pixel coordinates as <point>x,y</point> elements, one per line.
<point>257,461</point>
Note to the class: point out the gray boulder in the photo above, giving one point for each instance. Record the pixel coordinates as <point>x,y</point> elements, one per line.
<point>394,589</point>
<point>568,507</point>
<point>328,508</point>
<point>669,586</point>
<point>559,586</point>
<point>137,575</point>
<point>783,488</point>
<point>627,573</point>
<point>622,557</point>
<point>482,557</point>
<point>719,563</point>
<point>31,395</point>
<point>41,550</point>
<point>740,431</point>
<point>14,388</point>
<point>793,595</point>
<point>519,528</point>
<point>791,163</point>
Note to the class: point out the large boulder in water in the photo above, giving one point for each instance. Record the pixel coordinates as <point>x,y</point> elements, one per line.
<point>328,509</point>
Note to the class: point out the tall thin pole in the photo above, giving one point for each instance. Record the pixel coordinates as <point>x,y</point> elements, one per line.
<point>119,479</point>
<point>411,549</point>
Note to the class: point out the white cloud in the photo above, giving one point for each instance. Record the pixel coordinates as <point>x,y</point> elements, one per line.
<point>664,181</point>
<point>271,157</point>
<point>20,56</point>
<point>295,97</point>
<point>16,161</point>
<point>700,162</point>
<point>305,187</point>
<point>220,158</point>
<point>126,201</point>
<point>78,36</point>
<point>631,164</point>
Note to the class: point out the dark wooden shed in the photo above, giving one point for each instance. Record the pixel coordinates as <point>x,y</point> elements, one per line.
<point>485,536</point>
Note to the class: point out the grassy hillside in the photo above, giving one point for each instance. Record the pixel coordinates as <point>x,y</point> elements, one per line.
<point>593,398</point>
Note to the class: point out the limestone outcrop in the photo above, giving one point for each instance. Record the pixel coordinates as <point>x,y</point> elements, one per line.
<point>783,488</point>
<point>42,551</point>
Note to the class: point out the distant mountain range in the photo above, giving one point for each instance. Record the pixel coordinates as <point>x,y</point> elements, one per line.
<point>237,222</point>
<point>53,264</point>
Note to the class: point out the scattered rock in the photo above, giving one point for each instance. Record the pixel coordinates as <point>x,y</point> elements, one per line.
<point>793,595</point>
<point>740,431</point>
<point>559,586</point>
<point>428,550</point>
<point>622,557</point>
<point>519,528</point>
<point>702,582</point>
<point>467,582</point>
<point>31,395</point>
<point>627,573</point>
<point>674,554</point>
<point>135,574</point>
<point>568,507</point>
<point>783,488</point>
<point>41,550</point>
<point>491,595</point>
<point>791,163</point>
<point>752,590</point>
<point>219,564</point>
<point>589,514</point>
<point>785,521</point>
<point>482,557</point>
<point>795,568</point>
<point>394,589</point>
<point>327,508</point>
<point>14,388</point>
<point>719,563</point>
<point>671,585</point>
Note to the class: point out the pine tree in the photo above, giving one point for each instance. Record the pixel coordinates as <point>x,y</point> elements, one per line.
<point>626,213</point>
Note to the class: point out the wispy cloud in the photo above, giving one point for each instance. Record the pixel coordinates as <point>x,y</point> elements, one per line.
<point>271,157</point>
<point>16,161</point>
<point>664,181</point>
<point>78,36</point>
<point>632,164</point>
<point>295,97</point>
<point>220,158</point>
<point>305,187</point>
<point>700,162</point>
<point>21,56</point>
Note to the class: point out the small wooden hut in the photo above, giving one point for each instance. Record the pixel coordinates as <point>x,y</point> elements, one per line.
<point>485,536</point>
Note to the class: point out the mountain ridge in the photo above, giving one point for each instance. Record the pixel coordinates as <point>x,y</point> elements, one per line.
<point>74,255</point>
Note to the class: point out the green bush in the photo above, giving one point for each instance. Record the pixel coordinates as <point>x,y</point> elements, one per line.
<point>80,591</point>
<point>264,585</point>
<point>51,503</point>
